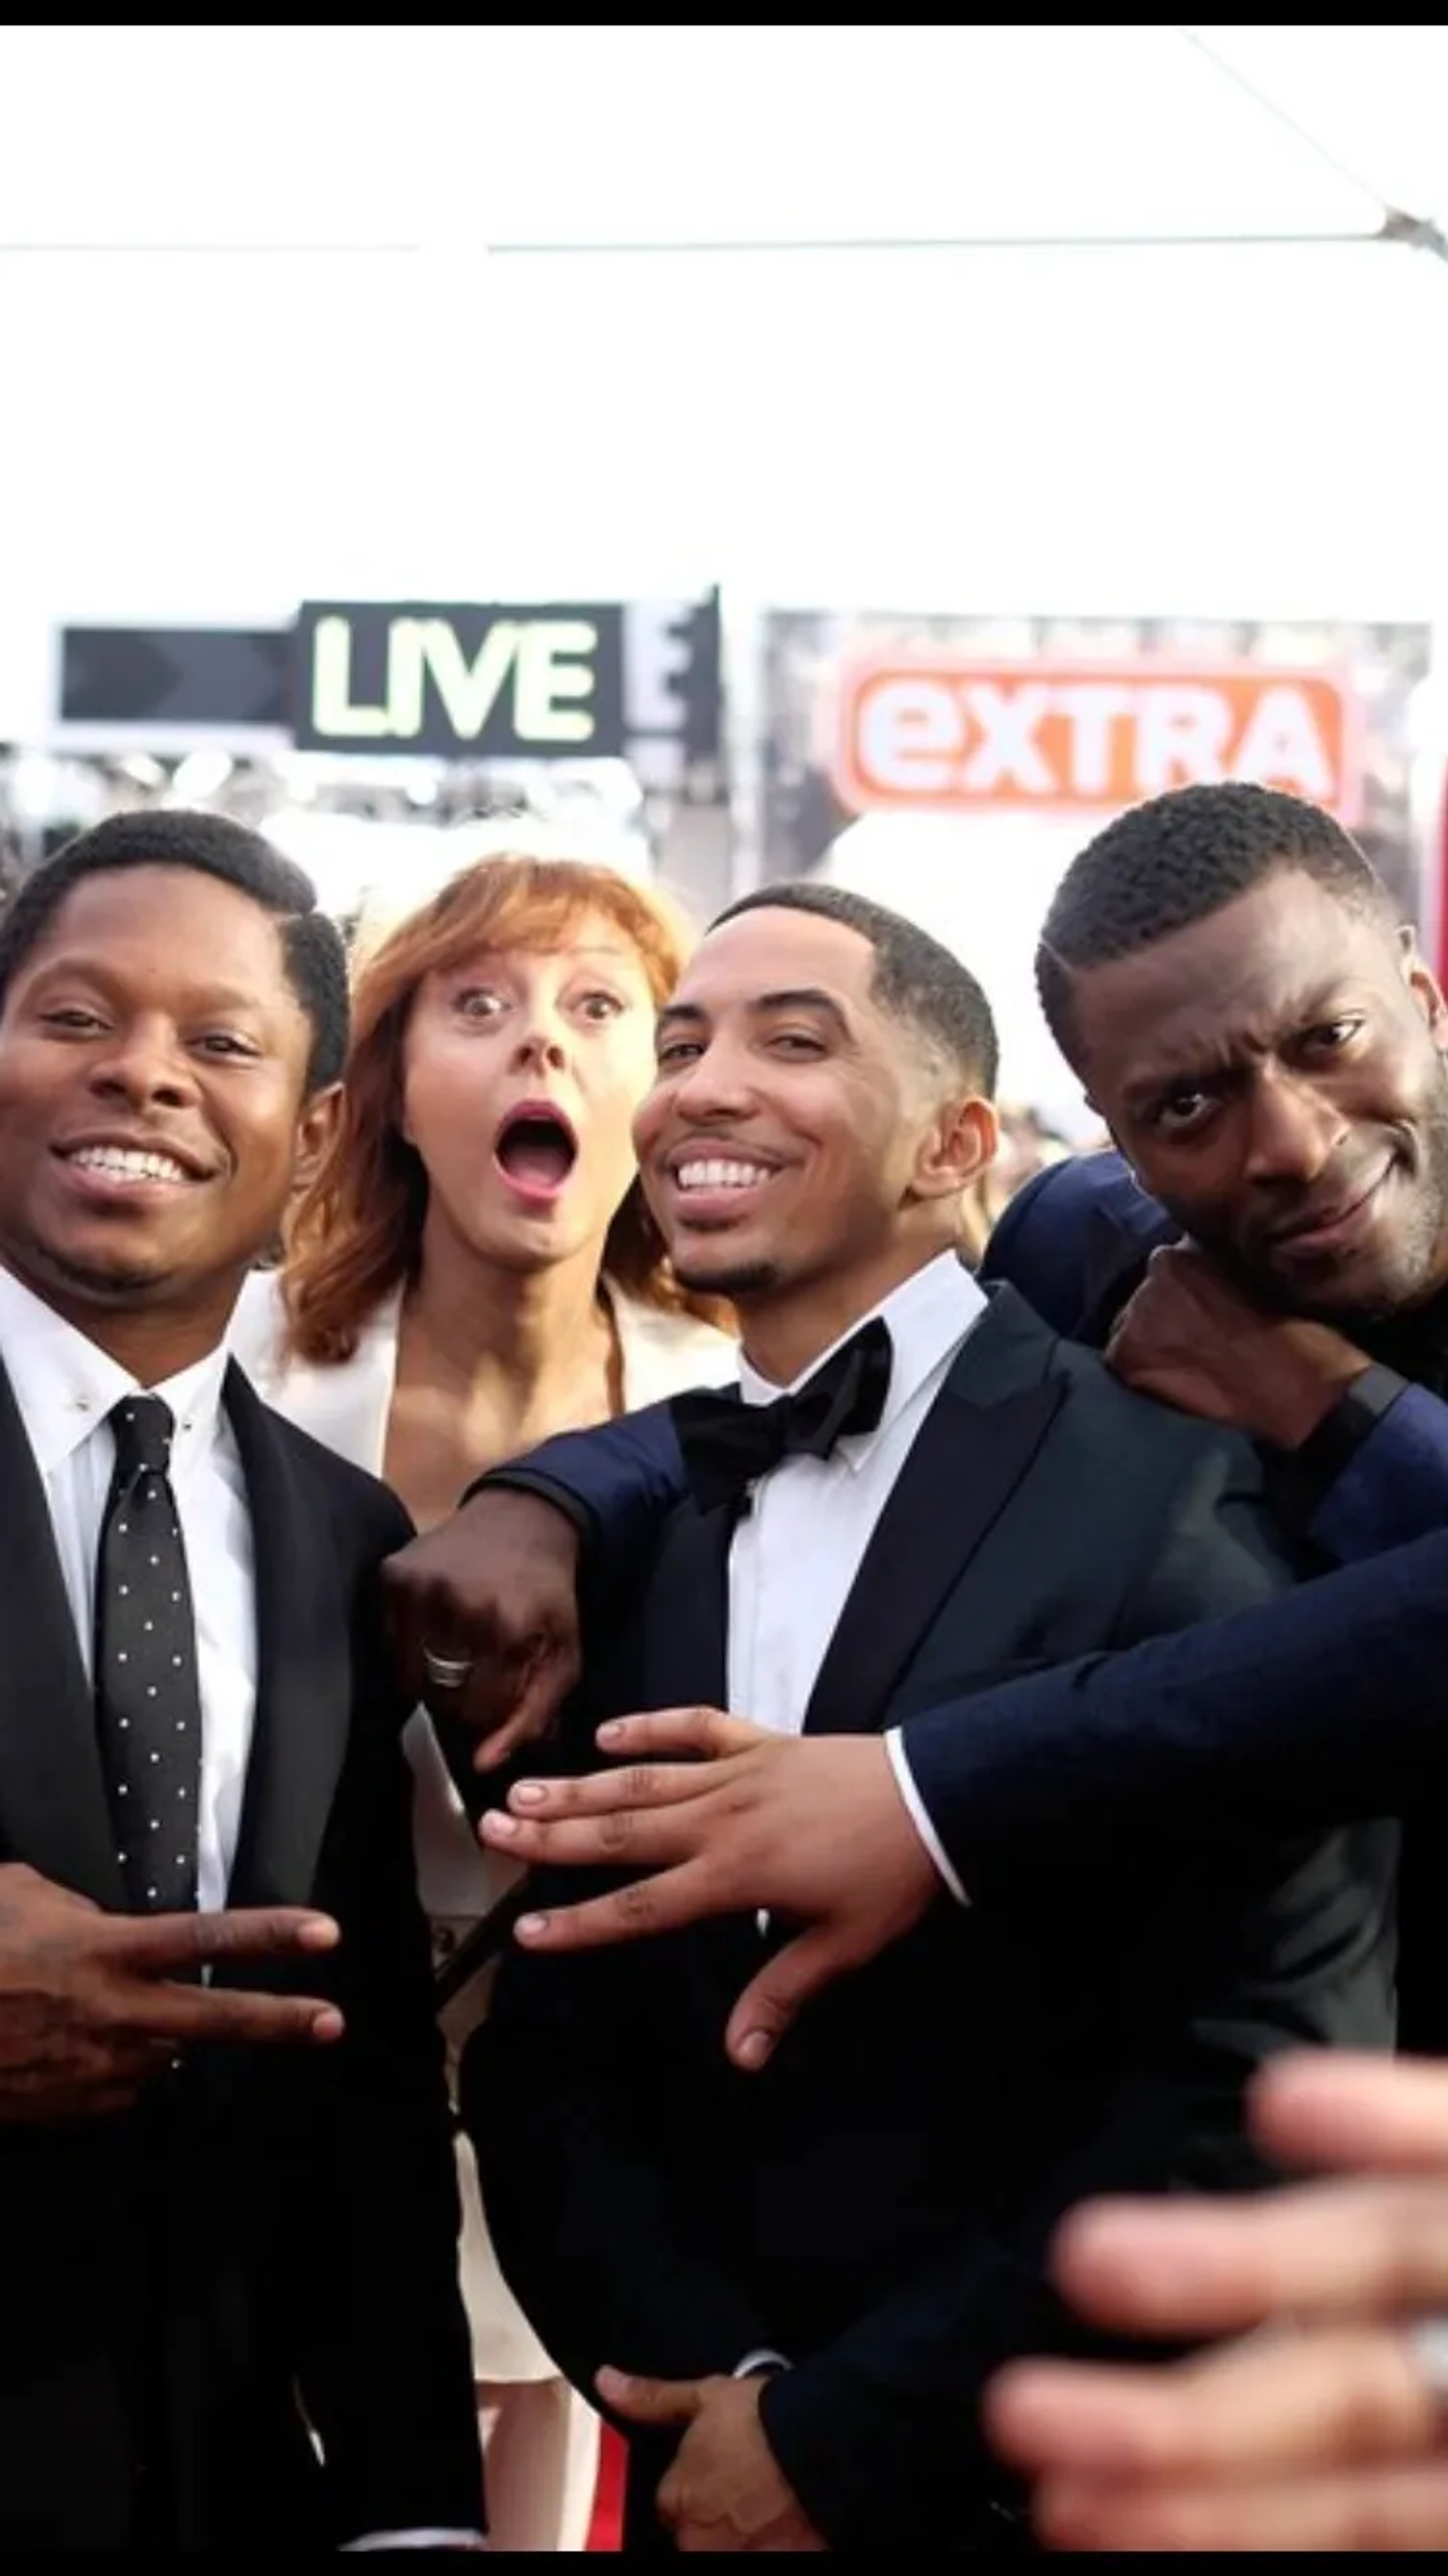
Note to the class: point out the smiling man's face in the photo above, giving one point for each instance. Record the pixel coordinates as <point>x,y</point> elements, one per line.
<point>1275,1074</point>
<point>153,1096</point>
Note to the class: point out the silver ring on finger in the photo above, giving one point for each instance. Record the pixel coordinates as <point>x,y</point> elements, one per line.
<point>446,1672</point>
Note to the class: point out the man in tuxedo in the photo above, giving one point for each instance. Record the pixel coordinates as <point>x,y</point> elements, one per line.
<point>915,1490</point>
<point>232,2315</point>
<point>1186,945</point>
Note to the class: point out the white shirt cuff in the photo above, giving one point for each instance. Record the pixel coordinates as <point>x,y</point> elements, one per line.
<point>761,2360</point>
<point>418,2540</point>
<point>919,1814</point>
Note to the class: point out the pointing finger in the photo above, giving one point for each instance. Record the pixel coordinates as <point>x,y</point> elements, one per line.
<point>633,1913</point>
<point>608,1793</point>
<point>680,1730</point>
<point>223,2013</point>
<point>1383,2114</point>
<point>155,1944</point>
<point>1320,2249</point>
<point>1283,2401</point>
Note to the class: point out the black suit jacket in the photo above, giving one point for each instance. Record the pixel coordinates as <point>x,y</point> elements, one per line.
<point>876,2204</point>
<point>269,2240</point>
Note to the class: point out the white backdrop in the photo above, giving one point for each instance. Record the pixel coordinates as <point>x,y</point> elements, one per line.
<point>254,345</point>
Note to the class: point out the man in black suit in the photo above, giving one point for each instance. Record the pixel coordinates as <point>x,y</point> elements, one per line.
<point>920,1491</point>
<point>232,2314</point>
<point>1234,987</point>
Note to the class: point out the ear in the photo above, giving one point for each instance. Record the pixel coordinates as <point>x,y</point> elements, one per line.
<point>959,1146</point>
<point>315,1130</point>
<point>1425,989</point>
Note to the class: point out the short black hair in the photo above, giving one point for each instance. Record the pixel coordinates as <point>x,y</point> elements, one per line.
<point>1174,861</point>
<point>916,979</point>
<point>214,846</point>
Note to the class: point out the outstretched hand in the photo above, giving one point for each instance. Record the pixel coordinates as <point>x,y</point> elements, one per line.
<point>810,1828</point>
<point>92,2004</point>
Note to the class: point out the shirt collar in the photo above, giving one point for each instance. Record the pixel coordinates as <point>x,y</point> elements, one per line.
<point>65,1385</point>
<point>929,1315</point>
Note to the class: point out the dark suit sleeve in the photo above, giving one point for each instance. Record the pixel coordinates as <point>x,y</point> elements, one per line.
<point>567,2096</point>
<point>1074,1242</point>
<point>1314,1709</point>
<point>1394,1486</point>
<point>617,1484</point>
<point>1256,1946</point>
<point>387,2373</point>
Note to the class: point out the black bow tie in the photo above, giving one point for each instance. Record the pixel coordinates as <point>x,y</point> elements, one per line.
<point>727,1444</point>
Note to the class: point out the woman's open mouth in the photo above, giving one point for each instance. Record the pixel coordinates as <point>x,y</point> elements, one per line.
<point>535,1152</point>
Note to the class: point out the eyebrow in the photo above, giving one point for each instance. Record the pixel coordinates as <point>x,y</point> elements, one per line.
<point>215,997</point>
<point>1218,1056</point>
<point>797,997</point>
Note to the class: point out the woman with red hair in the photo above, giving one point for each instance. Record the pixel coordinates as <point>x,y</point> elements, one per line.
<point>472,1269</point>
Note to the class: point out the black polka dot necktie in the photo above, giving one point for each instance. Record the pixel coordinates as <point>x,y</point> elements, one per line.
<point>148,1705</point>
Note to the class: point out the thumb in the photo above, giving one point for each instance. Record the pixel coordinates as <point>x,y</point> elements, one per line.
<point>776,1997</point>
<point>534,1709</point>
<point>649,2401</point>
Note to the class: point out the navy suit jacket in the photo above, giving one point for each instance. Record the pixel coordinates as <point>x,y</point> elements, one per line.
<point>1317,1708</point>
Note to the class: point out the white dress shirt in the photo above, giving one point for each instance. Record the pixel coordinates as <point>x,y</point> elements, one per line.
<point>797,1551</point>
<point>65,1387</point>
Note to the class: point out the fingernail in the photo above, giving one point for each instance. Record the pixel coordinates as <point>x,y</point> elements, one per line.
<point>527,1793</point>
<point>754,2048</point>
<point>319,1932</point>
<point>327,2026</point>
<point>611,1731</point>
<point>498,1825</point>
<point>531,1927</point>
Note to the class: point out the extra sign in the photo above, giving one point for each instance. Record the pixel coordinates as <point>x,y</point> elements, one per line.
<point>942,734</point>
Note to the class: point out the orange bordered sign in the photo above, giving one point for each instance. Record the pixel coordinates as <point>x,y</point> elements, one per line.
<point>941,733</point>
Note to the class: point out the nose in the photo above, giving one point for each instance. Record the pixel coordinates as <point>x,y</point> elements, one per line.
<point>542,1038</point>
<point>714,1086</point>
<point>146,1066</point>
<point>1295,1131</point>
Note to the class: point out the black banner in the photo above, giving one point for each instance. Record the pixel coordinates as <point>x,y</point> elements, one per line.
<point>636,680</point>
<point>175,675</point>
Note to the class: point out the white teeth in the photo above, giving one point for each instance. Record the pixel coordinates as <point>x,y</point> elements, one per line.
<point>130,1165</point>
<point>719,1175</point>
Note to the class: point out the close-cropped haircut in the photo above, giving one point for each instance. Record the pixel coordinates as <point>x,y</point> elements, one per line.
<point>210,845</point>
<point>1165,865</point>
<point>916,979</point>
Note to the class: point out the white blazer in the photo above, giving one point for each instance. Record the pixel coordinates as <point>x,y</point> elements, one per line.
<point>346,1406</point>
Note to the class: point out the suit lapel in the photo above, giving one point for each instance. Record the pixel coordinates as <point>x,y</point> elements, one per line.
<point>685,1631</point>
<point>304,1669</point>
<point>53,1808</point>
<point>973,1448</point>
